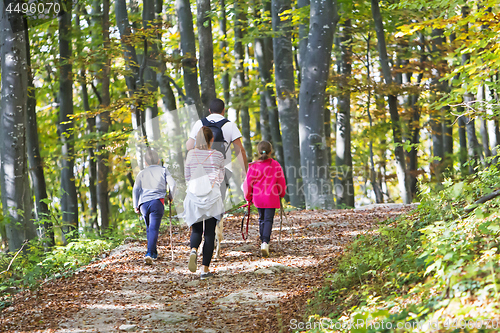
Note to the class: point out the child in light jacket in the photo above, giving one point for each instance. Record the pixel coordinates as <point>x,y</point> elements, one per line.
<point>149,192</point>
<point>264,187</point>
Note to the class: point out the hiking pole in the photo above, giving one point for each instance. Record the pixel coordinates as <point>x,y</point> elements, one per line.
<point>288,223</point>
<point>281,223</point>
<point>170,222</point>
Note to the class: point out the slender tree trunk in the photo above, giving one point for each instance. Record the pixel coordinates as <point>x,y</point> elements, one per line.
<point>315,71</point>
<point>436,116</point>
<point>483,130</point>
<point>264,116</point>
<point>328,135</point>
<point>414,124</point>
<point>473,149</point>
<point>264,54</point>
<point>287,104</point>
<point>241,84</point>
<point>462,135</point>
<point>303,34</point>
<point>259,50</point>
<point>150,23</point>
<point>188,47</point>
<point>14,181</point>
<point>404,185</point>
<point>132,68</point>
<point>34,158</point>
<point>206,53</point>
<point>226,80</point>
<point>69,199</point>
<point>344,187</point>
<point>175,139</point>
<point>379,198</point>
<point>102,126</point>
<point>92,173</point>
<point>493,130</point>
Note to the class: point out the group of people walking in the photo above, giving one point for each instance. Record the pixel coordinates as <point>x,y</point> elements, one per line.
<point>207,171</point>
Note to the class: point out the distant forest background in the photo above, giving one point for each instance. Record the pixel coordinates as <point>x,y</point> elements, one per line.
<point>370,99</point>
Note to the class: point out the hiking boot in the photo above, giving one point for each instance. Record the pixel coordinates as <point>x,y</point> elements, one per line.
<point>206,275</point>
<point>192,265</point>
<point>264,249</point>
<point>148,259</point>
<point>154,256</point>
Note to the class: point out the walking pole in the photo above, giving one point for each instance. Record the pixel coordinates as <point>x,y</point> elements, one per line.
<point>170,221</point>
<point>289,224</point>
<point>281,223</point>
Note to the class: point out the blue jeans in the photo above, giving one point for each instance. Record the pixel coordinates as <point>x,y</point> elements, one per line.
<point>266,217</point>
<point>152,211</point>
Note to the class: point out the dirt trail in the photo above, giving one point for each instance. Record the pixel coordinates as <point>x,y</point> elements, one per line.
<point>247,294</point>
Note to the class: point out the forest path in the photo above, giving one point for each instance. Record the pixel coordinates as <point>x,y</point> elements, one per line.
<point>247,294</point>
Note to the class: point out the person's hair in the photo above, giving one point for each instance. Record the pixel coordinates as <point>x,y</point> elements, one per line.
<point>216,106</point>
<point>151,156</point>
<point>264,150</point>
<point>203,138</point>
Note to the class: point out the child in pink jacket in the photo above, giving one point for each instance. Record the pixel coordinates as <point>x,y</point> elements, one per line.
<point>264,187</point>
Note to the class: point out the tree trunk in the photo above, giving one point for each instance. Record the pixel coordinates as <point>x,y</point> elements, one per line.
<point>493,130</point>
<point>315,71</point>
<point>287,104</point>
<point>206,53</point>
<point>69,200</point>
<point>264,55</point>
<point>379,198</point>
<point>176,139</point>
<point>264,116</point>
<point>226,80</point>
<point>483,130</point>
<point>131,67</point>
<point>150,23</point>
<point>436,116</point>
<point>414,124</point>
<point>470,128</point>
<point>14,179</point>
<point>239,58</point>
<point>188,47</point>
<point>344,186</point>
<point>462,135</point>
<point>92,173</point>
<point>102,126</point>
<point>303,34</point>
<point>34,158</point>
<point>404,186</point>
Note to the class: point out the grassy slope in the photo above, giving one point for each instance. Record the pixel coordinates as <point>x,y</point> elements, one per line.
<point>438,265</point>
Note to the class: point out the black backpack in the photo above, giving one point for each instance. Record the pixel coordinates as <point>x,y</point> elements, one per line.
<point>216,128</point>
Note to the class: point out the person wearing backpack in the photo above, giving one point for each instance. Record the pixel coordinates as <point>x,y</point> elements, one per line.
<point>226,134</point>
<point>203,208</point>
<point>148,195</point>
<point>264,186</point>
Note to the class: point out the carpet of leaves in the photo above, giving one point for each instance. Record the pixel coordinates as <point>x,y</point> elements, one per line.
<point>120,289</point>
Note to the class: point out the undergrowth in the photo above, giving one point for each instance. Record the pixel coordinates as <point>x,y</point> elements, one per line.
<point>35,264</point>
<point>434,269</point>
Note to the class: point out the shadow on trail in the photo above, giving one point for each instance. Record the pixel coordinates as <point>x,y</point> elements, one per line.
<point>247,294</point>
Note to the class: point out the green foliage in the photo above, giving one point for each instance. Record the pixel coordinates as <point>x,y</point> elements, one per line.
<point>35,265</point>
<point>436,262</point>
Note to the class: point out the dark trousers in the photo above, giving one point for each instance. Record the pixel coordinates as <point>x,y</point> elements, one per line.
<point>152,211</point>
<point>266,217</point>
<point>208,246</point>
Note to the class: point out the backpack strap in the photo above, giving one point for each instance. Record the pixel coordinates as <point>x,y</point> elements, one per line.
<point>219,123</point>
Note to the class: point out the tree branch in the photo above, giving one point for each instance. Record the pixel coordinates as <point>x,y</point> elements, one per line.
<point>482,200</point>
<point>10,264</point>
<point>96,92</point>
